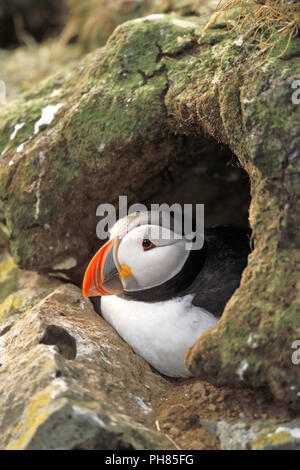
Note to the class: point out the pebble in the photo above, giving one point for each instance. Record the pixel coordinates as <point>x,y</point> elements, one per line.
<point>211,407</point>
<point>198,388</point>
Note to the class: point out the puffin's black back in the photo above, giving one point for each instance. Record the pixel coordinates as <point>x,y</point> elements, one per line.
<point>226,257</point>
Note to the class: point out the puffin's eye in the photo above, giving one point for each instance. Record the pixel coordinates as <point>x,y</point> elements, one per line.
<point>147,244</point>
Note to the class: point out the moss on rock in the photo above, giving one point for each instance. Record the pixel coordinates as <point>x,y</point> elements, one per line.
<point>90,400</point>
<point>126,112</point>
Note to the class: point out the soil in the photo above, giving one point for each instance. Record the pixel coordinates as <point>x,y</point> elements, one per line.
<point>181,412</point>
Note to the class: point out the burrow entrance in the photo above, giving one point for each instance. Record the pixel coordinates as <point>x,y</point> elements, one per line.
<point>200,171</point>
<point>204,172</point>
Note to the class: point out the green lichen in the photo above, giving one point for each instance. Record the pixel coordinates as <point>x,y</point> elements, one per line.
<point>15,303</point>
<point>272,440</point>
<point>9,276</point>
<point>124,109</point>
<point>34,415</point>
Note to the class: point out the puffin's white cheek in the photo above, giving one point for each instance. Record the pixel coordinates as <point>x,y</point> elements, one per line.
<point>130,254</point>
<point>152,267</point>
<point>158,265</point>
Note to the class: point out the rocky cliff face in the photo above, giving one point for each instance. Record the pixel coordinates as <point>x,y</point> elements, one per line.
<point>68,381</point>
<point>157,96</point>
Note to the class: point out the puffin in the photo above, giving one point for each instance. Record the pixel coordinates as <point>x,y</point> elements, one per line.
<point>159,295</point>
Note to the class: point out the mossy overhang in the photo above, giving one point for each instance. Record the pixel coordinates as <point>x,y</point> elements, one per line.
<point>124,110</point>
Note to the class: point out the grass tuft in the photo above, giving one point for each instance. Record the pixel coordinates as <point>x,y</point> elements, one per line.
<point>264,23</point>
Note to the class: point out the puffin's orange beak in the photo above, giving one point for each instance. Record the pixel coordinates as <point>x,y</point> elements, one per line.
<point>102,275</point>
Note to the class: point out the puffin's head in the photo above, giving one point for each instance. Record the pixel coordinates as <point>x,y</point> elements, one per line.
<point>139,255</point>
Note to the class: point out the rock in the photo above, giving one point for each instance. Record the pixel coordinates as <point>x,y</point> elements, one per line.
<point>242,435</point>
<point>9,275</point>
<point>20,290</point>
<point>281,437</point>
<point>212,407</point>
<point>69,382</point>
<point>236,436</point>
<point>41,172</point>
<point>153,96</point>
<point>86,24</point>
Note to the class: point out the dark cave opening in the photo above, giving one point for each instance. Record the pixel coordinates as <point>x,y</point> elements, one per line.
<point>204,172</point>
<point>198,170</point>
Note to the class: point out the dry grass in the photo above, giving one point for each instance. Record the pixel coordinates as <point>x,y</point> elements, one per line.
<point>92,21</point>
<point>264,23</point>
<point>24,67</point>
<point>86,18</point>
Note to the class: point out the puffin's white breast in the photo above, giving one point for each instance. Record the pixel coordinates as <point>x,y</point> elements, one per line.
<point>160,332</point>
